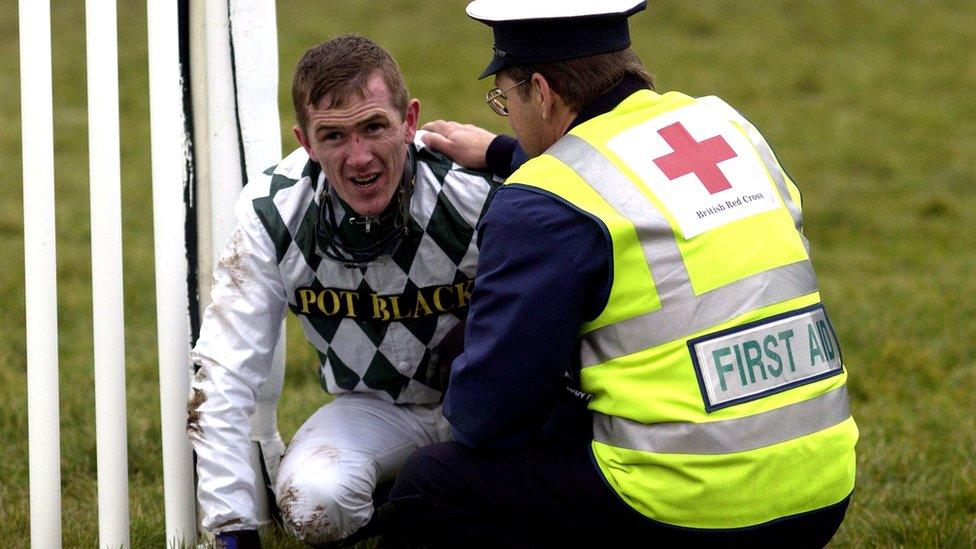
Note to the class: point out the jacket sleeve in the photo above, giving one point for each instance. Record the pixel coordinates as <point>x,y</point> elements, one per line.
<point>504,156</point>
<point>542,270</point>
<point>234,355</point>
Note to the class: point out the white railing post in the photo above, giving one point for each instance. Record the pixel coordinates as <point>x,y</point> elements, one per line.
<point>106,247</point>
<point>40,270</point>
<point>170,163</point>
<point>224,148</point>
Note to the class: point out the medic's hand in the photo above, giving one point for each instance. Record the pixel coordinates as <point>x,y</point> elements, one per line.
<point>466,144</point>
<point>239,539</point>
<point>442,356</point>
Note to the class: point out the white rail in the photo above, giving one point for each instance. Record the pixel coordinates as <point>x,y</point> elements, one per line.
<point>170,160</point>
<point>106,248</point>
<point>40,270</point>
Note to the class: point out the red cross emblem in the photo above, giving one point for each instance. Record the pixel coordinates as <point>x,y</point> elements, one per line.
<point>698,157</point>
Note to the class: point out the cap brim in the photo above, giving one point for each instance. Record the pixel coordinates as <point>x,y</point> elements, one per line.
<point>497,64</point>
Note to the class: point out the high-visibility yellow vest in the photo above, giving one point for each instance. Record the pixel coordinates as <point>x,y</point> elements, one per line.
<point>719,390</point>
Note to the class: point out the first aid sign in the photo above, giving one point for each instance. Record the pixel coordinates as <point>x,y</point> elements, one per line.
<point>766,357</point>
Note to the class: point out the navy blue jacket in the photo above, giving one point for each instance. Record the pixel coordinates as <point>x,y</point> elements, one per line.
<point>544,269</point>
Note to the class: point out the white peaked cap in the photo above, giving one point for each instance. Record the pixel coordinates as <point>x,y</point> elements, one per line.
<point>539,31</point>
<point>520,10</point>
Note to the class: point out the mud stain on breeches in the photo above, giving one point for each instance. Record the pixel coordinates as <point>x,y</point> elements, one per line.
<point>310,525</point>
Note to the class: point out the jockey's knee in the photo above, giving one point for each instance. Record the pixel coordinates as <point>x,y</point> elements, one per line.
<point>324,504</point>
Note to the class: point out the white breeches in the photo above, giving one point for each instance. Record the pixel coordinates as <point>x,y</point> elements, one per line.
<point>336,459</point>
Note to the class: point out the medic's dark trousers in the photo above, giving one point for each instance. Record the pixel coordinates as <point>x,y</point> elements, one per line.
<point>551,494</point>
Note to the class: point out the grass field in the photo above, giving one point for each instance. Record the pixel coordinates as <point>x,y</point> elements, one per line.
<point>869,104</point>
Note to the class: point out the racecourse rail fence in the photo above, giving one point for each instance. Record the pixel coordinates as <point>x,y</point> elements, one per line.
<point>209,128</point>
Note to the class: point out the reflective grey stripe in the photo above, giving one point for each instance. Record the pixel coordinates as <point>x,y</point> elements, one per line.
<point>726,436</point>
<point>772,166</point>
<point>677,320</point>
<point>767,157</point>
<point>656,236</point>
<point>766,154</point>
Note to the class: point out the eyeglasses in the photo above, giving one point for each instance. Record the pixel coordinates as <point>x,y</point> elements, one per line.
<point>496,98</point>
